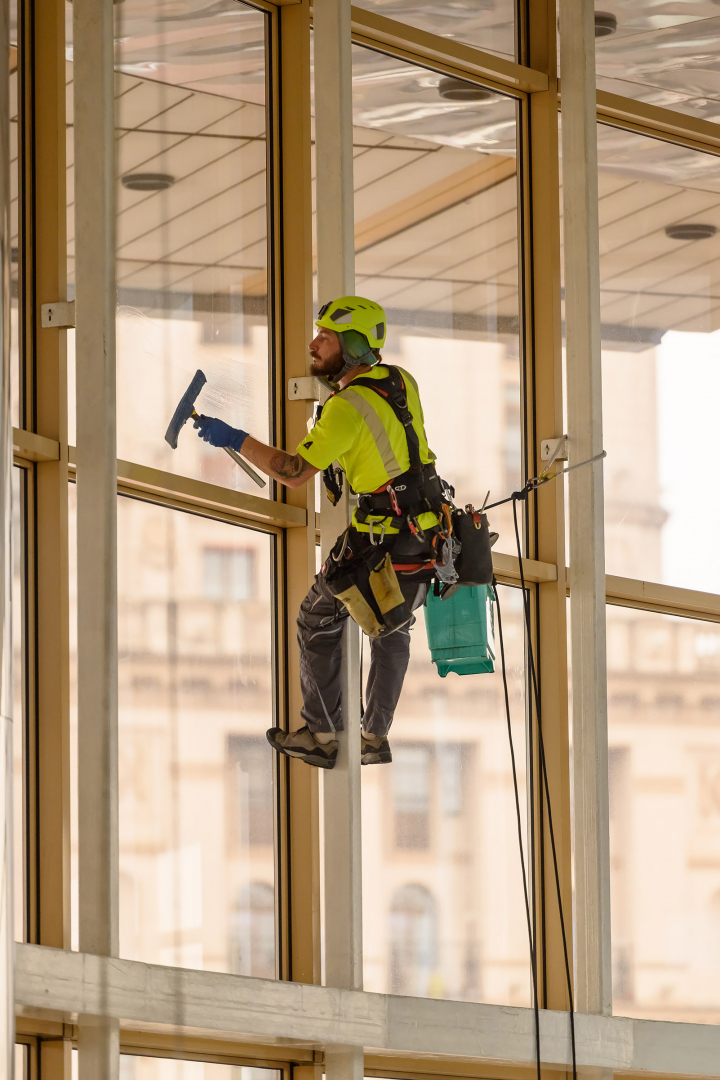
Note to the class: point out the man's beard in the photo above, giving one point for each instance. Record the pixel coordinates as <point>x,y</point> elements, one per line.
<point>326,367</point>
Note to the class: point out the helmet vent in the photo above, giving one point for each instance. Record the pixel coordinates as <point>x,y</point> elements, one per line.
<point>342,315</point>
<point>380,330</point>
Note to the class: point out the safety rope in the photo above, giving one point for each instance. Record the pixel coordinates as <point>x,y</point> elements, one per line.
<point>516,497</point>
<point>518,815</point>
<point>537,481</point>
<point>543,769</point>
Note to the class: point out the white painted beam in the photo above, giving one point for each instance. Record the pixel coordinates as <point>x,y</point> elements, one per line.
<point>57,985</point>
<point>94,138</point>
<point>342,859</point>
<point>7,1019</point>
<point>593,990</point>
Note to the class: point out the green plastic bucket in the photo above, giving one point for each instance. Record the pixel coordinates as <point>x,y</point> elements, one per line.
<point>461,630</point>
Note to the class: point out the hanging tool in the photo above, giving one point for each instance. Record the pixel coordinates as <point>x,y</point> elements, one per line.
<point>186,410</point>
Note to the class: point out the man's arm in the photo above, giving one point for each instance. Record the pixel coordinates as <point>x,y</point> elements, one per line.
<point>292,470</point>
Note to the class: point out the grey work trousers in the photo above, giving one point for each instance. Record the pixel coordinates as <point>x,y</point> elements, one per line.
<point>320,627</point>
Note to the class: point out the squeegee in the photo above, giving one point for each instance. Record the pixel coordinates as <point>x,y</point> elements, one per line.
<point>186,410</point>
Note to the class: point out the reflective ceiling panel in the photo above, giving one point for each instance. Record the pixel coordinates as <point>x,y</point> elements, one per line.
<point>663,53</point>
<point>487,24</point>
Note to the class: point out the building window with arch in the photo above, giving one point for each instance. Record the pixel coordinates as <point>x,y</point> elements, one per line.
<point>413,942</point>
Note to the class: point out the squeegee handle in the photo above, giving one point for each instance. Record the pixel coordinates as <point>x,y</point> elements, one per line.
<point>244,465</point>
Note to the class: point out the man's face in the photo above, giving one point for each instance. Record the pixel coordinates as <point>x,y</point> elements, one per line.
<point>326,353</point>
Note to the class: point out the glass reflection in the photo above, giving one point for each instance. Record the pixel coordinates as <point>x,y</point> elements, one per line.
<point>659,257</point>
<point>489,25</point>
<point>192,227</point>
<point>443,894</point>
<point>436,238</point>
<point>153,1068</point>
<point>664,54</point>
<point>664,746</point>
<point>196,811</point>
<point>196,782</point>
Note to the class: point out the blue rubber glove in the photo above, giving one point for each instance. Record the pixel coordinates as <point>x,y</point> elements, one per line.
<point>218,433</point>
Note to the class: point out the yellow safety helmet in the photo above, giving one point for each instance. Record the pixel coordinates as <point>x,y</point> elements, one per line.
<point>355,313</point>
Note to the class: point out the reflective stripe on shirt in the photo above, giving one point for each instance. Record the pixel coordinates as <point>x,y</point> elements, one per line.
<point>377,430</point>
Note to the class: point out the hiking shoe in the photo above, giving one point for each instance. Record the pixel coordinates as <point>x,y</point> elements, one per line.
<point>376,751</point>
<point>302,744</point>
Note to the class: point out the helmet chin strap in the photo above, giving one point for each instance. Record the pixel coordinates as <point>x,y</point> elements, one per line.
<point>369,358</point>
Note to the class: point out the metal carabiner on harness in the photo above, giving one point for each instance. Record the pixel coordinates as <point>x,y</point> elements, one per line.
<point>393,499</point>
<point>415,528</point>
<point>371,537</point>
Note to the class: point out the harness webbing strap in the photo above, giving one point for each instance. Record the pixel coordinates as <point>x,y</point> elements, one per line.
<point>396,397</point>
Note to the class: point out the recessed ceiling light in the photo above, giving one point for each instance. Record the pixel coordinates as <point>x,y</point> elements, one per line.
<point>460,90</point>
<point>148,181</point>
<point>690,230</point>
<point>605,23</point>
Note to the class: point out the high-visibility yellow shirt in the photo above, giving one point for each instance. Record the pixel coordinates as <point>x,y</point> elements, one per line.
<point>359,429</point>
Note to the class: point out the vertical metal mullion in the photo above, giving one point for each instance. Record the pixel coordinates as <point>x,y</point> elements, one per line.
<point>299,853</point>
<point>336,277</point>
<point>586,507</point>
<point>279,561</point>
<point>540,195</point>
<point>7,1003</point>
<point>96,511</point>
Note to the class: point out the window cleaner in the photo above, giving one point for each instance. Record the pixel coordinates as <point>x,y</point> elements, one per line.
<point>405,533</point>
<point>186,409</point>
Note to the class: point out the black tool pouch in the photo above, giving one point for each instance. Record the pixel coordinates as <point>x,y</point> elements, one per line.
<point>474,563</point>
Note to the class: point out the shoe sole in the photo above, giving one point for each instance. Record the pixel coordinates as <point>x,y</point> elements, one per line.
<point>319,763</point>
<point>377,759</point>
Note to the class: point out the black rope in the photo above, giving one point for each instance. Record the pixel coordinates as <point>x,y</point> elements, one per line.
<point>518,814</point>
<point>515,498</point>
<point>537,481</point>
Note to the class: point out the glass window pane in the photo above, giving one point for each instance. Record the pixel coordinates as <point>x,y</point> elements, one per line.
<point>19,593</point>
<point>154,1068</point>
<point>443,894</point>
<point>664,746</point>
<point>489,26</point>
<point>192,230</point>
<point>197,803</point>
<point>21,1061</point>
<point>661,54</point>
<point>197,884</point>
<point>436,226</point>
<point>659,252</point>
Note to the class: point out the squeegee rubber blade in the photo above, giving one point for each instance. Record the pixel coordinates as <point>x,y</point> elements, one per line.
<point>185,408</point>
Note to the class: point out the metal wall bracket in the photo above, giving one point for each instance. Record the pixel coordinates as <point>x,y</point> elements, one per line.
<point>554,449</point>
<point>59,314</point>
<point>305,388</point>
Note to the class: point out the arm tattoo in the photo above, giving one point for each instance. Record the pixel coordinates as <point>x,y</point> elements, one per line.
<point>288,466</point>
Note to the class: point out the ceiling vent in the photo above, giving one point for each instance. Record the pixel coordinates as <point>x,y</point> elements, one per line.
<point>605,23</point>
<point>148,181</point>
<point>691,230</point>
<point>459,90</point>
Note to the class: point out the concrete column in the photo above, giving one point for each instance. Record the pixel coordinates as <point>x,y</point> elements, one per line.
<point>593,992</point>
<point>336,277</point>
<point>96,509</point>
<point>7,1003</point>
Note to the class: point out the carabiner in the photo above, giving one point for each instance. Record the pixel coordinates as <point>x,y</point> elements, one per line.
<point>371,534</point>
